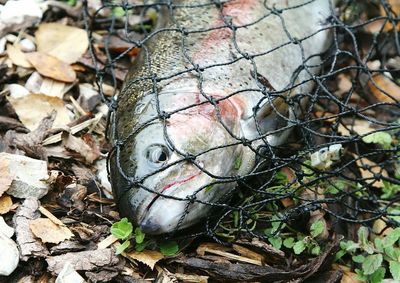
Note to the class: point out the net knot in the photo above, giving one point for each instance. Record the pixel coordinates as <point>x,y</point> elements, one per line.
<point>119,143</point>
<point>191,198</point>
<point>164,115</point>
<point>190,157</point>
<point>245,141</point>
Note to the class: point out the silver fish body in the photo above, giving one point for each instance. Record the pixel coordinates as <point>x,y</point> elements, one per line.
<point>212,84</point>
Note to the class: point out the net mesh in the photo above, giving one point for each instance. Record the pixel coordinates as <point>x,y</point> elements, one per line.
<point>340,162</point>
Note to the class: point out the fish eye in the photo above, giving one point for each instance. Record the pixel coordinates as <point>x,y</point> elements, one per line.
<point>157,153</point>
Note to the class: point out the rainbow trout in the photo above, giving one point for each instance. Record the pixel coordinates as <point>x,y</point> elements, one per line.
<point>215,82</point>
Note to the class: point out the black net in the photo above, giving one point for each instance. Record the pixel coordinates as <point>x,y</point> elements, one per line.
<point>238,116</point>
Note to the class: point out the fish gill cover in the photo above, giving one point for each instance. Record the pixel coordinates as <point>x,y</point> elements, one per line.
<point>254,118</point>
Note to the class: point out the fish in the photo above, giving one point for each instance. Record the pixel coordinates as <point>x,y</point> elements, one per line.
<point>216,84</point>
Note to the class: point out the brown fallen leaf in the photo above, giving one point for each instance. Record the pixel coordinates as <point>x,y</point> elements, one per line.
<point>17,57</point>
<point>150,258</point>
<point>89,152</point>
<point>6,177</point>
<point>348,276</point>
<point>66,43</point>
<point>360,127</point>
<point>380,229</point>
<point>33,108</point>
<point>52,67</point>
<point>395,7</point>
<point>381,84</point>
<point>48,231</point>
<point>371,169</point>
<point>5,203</point>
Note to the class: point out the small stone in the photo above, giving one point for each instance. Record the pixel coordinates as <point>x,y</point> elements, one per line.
<point>5,229</point>
<point>18,12</point>
<point>103,109</point>
<point>89,98</point>
<point>69,275</point>
<point>17,91</point>
<point>34,82</point>
<point>11,38</point>
<point>9,256</point>
<point>3,42</point>
<point>102,176</point>
<point>17,15</point>
<point>28,176</point>
<point>27,45</point>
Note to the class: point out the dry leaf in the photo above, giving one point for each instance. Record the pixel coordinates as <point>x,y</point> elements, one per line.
<point>90,153</point>
<point>52,67</point>
<point>17,56</point>
<point>348,276</point>
<point>380,229</point>
<point>33,108</point>
<point>344,84</point>
<point>6,177</point>
<point>48,231</point>
<point>381,84</point>
<point>5,203</point>
<point>395,7</point>
<point>150,258</point>
<point>360,127</point>
<point>369,174</point>
<point>66,43</point>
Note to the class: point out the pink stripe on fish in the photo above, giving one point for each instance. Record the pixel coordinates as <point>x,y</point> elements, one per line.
<point>240,12</point>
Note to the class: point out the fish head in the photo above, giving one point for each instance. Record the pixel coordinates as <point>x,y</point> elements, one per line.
<point>183,159</point>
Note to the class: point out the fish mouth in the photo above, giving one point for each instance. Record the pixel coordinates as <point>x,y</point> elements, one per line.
<point>152,226</point>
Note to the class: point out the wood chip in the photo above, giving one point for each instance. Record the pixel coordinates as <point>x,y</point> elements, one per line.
<point>28,244</point>
<point>84,261</point>
<point>49,215</point>
<point>219,250</point>
<point>51,67</point>
<point>111,239</point>
<point>75,129</point>
<point>248,253</point>
<point>191,278</point>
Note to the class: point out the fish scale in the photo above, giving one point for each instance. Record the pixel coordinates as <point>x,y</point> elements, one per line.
<point>210,76</point>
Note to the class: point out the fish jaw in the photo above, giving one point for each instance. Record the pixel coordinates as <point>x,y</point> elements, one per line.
<point>175,209</point>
